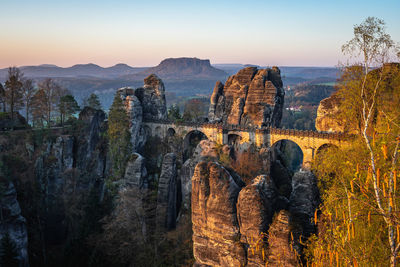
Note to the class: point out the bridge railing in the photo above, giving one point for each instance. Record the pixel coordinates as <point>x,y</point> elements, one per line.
<point>271,130</point>
<point>309,133</point>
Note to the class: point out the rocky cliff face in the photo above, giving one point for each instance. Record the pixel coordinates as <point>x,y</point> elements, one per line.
<point>327,114</point>
<point>166,212</point>
<point>249,225</point>
<point>251,97</point>
<point>144,103</point>
<point>12,222</point>
<point>215,227</point>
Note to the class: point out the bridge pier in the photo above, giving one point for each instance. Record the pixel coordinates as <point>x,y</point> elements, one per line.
<point>308,156</point>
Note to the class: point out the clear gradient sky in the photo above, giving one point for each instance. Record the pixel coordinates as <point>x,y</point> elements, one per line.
<point>142,33</point>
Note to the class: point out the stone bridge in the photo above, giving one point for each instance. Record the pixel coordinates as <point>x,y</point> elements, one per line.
<point>308,141</point>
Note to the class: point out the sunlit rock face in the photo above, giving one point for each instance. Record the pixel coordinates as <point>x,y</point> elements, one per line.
<point>216,235</point>
<point>250,225</point>
<point>252,97</point>
<point>327,115</point>
<point>255,210</point>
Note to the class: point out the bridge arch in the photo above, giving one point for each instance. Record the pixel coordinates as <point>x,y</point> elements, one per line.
<point>190,141</point>
<point>324,147</point>
<point>293,153</point>
<point>234,139</point>
<point>171,131</point>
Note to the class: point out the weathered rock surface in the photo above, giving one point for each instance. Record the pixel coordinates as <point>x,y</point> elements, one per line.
<point>327,115</point>
<point>91,154</point>
<point>251,97</point>
<point>12,222</point>
<point>303,201</point>
<point>205,150</point>
<point>255,209</point>
<point>166,212</point>
<point>135,172</point>
<point>135,112</point>
<point>215,227</point>
<point>152,97</point>
<point>144,103</point>
<point>280,251</point>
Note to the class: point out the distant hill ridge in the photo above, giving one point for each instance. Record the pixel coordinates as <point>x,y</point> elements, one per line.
<point>189,68</point>
<point>78,70</point>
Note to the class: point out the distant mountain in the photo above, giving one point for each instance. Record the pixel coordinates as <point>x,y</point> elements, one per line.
<point>184,68</point>
<point>79,70</point>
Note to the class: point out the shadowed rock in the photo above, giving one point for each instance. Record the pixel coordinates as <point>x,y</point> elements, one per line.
<point>166,212</point>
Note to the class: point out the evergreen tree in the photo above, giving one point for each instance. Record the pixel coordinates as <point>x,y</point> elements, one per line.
<point>67,107</point>
<point>92,101</point>
<point>174,113</point>
<point>119,137</point>
<point>8,255</point>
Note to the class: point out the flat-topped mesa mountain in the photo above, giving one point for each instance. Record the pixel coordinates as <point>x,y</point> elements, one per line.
<point>184,68</point>
<point>251,97</point>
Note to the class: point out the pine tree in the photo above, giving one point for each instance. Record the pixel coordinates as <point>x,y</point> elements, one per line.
<point>67,107</point>
<point>174,113</point>
<point>8,255</point>
<point>119,137</point>
<point>92,101</point>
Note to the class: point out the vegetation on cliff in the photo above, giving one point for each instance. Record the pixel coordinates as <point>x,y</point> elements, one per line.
<point>119,137</point>
<point>359,221</point>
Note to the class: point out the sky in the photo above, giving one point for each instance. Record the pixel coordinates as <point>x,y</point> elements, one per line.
<point>142,33</point>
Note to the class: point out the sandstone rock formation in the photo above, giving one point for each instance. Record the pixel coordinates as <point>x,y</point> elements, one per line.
<point>206,149</point>
<point>166,212</point>
<point>144,103</point>
<point>152,97</point>
<point>281,252</point>
<point>135,172</point>
<point>135,111</point>
<point>265,228</point>
<point>303,201</point>
<point>327,115</point>
<point>215,228</point>
<point>251,97</point>
<point>255,209</point>
<point>12,222</point>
